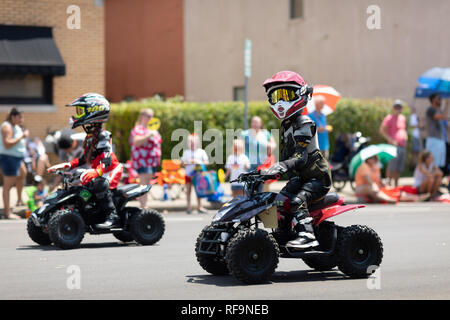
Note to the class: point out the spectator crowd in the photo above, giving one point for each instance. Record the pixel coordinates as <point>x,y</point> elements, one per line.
<point>22,155</point>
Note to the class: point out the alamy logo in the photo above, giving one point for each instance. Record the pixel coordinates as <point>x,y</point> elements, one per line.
<point>374,280</point>
<point>74,280</point>
<point>74,20</point>
<point>374,19</point>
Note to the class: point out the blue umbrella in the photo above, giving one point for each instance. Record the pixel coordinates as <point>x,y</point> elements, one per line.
<point>434,80</point>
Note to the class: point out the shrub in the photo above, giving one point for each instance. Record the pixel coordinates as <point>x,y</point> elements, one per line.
<point>351,115</point>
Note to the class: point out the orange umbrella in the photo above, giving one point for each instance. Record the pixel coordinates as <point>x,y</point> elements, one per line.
<point>330,95</point>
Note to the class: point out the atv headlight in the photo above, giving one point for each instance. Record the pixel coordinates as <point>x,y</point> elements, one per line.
<point>218,216</point>
<point>41,209</point>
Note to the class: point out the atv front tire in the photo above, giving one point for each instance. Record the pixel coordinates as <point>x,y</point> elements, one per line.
<point>359,251</point>
<point>37,235</point>
<point>66,229</point>
<point>147,227</point>
<point>208,262</point>
<point>252,256</point>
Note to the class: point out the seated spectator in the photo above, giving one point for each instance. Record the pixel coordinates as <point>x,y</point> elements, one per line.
<point>41,192</point>
<point>236,164</point>
<point>427,176</point>
<point>368,181</point>
<point>36,159</point>
<point>369,185</point>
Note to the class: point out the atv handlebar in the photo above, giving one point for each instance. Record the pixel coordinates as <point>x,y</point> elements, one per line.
<point>255,176</point>
<point>69,177</point>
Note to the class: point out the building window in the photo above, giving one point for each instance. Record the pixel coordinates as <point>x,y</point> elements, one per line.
<point>238,93</point>
<point>29,59</point>
<point>296,9</point>
<point>26,89</point>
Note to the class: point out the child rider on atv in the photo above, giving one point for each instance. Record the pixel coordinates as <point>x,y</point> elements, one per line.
<point>92,111</point>
<point>308,171</point>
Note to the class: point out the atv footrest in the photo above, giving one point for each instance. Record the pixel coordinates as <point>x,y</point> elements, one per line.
<point>303,254</point>
<point>213,253</point>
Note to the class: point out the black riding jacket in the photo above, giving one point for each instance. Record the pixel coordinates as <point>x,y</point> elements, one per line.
<point>300,156</point>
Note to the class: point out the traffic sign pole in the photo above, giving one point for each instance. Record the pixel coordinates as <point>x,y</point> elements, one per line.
<point>248,73</point>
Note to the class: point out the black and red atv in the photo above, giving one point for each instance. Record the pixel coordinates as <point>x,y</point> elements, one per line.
<point>73,210</point>
<point>236,242</point>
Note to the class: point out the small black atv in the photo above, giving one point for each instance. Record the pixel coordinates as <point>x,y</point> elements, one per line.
<point>71,211</point>
<point>236,242</point>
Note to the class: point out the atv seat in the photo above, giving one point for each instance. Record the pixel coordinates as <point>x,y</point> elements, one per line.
<point>330,199</point>
<point>121,190</point>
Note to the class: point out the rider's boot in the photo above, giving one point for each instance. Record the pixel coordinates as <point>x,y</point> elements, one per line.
<point>107,204</point>
<point>303,226</point>
<point>112,221</point>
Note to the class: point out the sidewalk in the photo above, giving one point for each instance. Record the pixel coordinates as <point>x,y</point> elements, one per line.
<point>180,204</point>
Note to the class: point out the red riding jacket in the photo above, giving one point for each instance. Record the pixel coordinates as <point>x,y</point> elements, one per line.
<point>98,153</point>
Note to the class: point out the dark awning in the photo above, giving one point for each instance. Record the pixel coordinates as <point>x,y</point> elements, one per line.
<point>25,50</point>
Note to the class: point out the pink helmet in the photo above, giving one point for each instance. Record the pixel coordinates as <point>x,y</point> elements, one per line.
<point>287,93</point>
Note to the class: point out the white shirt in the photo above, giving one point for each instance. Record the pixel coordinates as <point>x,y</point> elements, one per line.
<point>414,122</point>
<point>191,158</point>
<point>237,165</point>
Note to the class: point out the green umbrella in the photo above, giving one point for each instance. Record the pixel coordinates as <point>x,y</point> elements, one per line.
<point>385,152</point>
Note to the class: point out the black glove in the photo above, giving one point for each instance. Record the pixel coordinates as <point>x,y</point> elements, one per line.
<point>275,171</point>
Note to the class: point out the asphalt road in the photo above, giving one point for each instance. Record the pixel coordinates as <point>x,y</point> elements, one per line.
<point>416,264</point>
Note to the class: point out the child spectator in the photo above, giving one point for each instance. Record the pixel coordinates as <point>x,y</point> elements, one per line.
<point>236,164</point>
<point>191,159</point>
<point>35,157</point>
<point>41,192</point>
<point>427,176</point>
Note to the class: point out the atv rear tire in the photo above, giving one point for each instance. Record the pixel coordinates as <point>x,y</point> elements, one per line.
<point>359,251</point>
<point>37,235</point>
<point>320,263</point>
<point>123,236</point>
<point>252,256</point>
<point>147,227</point>
<point>66,229</point>
<point>208,262</point>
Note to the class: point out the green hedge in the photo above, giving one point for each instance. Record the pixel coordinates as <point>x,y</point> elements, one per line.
<point>351,115</point>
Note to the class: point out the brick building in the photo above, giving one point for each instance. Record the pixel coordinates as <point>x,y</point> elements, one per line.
<point>144,48</point>
<point>39,90</point>
<point>196,47</point>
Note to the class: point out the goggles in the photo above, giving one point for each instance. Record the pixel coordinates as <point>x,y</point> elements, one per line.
<point>285,94</point>
<point>79,112</point>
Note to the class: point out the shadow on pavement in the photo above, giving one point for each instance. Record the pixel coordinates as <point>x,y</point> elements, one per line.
<point>278,277</point>
<point>96,245</point>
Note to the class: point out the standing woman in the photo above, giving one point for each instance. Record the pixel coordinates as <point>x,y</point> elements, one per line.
<point>259,143</point>
<point>12,152</point>
<point>145,150</point>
